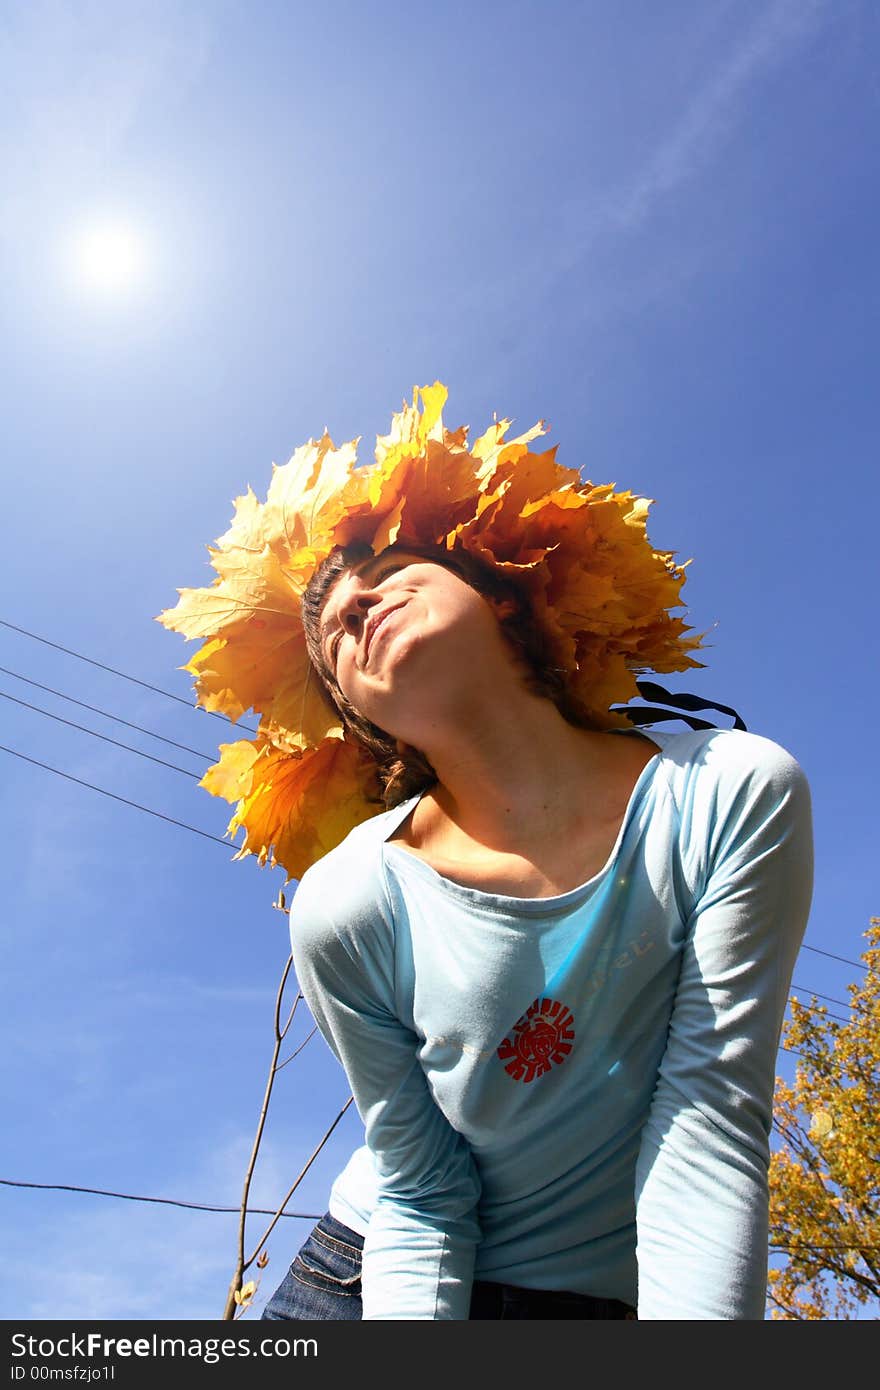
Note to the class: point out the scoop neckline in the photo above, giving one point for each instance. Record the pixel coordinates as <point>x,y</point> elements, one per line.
<point>536,907</point>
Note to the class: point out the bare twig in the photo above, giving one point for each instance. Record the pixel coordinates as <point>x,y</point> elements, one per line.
<point>297,1050</point>
<point>235,1282</point>
<point>233,1307</point>
<point>280,1212</point>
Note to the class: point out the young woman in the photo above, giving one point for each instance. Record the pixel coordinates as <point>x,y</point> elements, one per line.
<point>554,970</point>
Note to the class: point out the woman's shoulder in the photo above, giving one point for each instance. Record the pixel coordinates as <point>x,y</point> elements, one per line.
<point>722,748</point>
<point>346,886</point>
<point>735,794</point>
<point>719,766</point>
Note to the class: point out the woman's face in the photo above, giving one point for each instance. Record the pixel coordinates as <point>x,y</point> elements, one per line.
<point>404,638</point>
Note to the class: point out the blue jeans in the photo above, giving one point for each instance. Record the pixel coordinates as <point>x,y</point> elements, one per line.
<point>324,1282</point>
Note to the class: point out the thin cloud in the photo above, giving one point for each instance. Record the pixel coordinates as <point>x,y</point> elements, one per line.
<point>94,1257</point>
<point>712,114</point>
<point>605,225</point>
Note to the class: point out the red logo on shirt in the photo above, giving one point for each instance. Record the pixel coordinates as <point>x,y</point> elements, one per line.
<point>542,1036</point>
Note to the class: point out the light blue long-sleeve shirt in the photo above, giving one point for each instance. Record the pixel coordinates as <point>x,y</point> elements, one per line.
<point>570,1092</point>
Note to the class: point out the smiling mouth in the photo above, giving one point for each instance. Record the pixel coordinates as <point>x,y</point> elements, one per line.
<point>374,626</point>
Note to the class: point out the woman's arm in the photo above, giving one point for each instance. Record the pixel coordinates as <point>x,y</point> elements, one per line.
<point>419,1249</point>
<point>701,1187</point>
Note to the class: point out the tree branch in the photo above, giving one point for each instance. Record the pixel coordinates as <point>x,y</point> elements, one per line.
<point>240,1266</point>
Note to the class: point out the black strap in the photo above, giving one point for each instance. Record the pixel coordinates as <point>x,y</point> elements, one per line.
<point>651,714</point>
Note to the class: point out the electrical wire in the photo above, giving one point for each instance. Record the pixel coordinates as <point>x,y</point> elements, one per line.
<point>164,1201</point>
<point>94,733</point>
<point>151,812</point>
<point>838,1246</point>
<point>114,672</point>
<point>186,773</point>
<point>314,1216</point>
<point>197,1206</point>
<point>847,1004</point>
<point>226,844</point>
<point>105,714</point>
<point>124,799</point>
<point>820,1009</point>
<point>859,965</point>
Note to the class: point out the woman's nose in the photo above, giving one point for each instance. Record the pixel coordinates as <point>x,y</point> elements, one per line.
<point>356,608</point>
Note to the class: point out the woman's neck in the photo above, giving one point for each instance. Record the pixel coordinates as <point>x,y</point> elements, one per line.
<point>509,775</point>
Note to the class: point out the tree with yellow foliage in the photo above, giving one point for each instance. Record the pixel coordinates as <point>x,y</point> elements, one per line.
<point>825,1176</point>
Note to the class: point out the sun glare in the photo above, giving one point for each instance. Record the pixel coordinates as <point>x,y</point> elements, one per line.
<point>109,257</point>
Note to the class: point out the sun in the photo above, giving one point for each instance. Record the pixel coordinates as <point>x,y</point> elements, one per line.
<point>109,257</point>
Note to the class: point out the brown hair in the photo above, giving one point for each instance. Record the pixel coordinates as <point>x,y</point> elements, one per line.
<point>402,770</point>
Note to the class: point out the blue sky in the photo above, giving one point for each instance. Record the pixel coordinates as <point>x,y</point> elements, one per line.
<point>653,226</point>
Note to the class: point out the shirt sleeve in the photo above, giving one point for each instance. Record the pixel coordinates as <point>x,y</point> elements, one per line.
<point>419,1249</point>
<point>702,1177</point>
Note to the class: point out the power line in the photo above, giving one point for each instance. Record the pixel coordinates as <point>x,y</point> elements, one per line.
<point>841,1245</point>
<point>114,672</point>
<point>183,825</point>
<point>847,1004</point>
<point>150,812</point>
<point>820,1009</point>
<point>94,733</point>
<point>859,965</point>
<point>70,778</point>
<point>216,838</point>
<point>205,835</point>
<point>314,1216</point>
<point>105,714</point>
<point>164,1201</point>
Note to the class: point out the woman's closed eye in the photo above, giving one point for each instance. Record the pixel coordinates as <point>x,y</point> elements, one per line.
<point>384,573</point>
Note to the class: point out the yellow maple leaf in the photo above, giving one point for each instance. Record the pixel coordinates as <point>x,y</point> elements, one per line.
<point>579,551</point>
<point>294,808</point>
<point>231,776</point>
